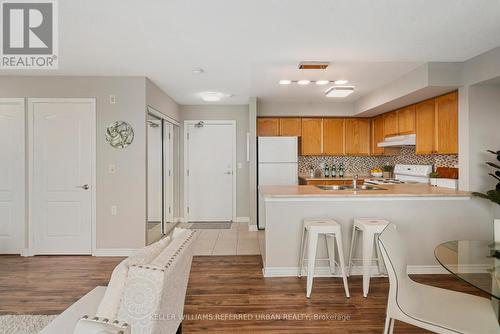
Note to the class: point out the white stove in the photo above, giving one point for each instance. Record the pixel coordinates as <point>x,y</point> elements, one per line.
<point>406,174</point>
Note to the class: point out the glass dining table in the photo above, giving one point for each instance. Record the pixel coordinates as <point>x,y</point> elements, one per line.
<point>475,262</point>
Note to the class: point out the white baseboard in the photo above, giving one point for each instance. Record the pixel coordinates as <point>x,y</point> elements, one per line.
<point>242,219</point>
<point>26,252</point>
<point>358,270</point>
<point>114,251</point>
<point>252,228</point>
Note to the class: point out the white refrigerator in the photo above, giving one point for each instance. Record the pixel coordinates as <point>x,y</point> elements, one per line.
<point>277,163</point>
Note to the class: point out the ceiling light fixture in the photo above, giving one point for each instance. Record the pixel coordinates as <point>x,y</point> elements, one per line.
<point>213,96</point>
<point>339,91</point>
<point>198,70</point>
<point>340,82</point>
<point>303,82</point>
<point>322,82</point>
<point>285,82</point>
<point>313,65</point>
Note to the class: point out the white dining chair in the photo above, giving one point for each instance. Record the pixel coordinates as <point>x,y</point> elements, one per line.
<point>437,310</point>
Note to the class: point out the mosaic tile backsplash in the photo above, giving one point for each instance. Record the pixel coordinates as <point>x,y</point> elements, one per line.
<point>362,165</point>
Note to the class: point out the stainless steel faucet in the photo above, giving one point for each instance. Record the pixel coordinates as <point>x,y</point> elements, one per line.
<point>355,181</point>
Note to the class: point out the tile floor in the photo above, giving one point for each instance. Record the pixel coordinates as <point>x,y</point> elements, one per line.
<point>235,241</point>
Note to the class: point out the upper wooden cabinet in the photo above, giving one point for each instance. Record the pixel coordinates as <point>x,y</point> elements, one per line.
<point>447,124</point>
<point>268,126</point>
<point>377,135</point>
<point>406,120</point>
<point>391,124</point>
<point>312,136</point>
<point>333,136</point>
<point>425,126</point>
<point>290,127</point>
<point>357,136</point>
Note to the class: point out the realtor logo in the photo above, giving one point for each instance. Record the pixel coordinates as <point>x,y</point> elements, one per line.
<point>29,34</point>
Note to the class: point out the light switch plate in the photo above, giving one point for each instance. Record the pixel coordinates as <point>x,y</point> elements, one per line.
<point>114,210</point>
<point>111,168</point>
<point>112,99</point>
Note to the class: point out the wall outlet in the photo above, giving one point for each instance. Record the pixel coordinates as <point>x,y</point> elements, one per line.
<point>112,99</point>
<point>114,210</point>
<point>111,168</point>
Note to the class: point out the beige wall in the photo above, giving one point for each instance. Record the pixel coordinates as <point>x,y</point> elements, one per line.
<point>160,101</point>
<point>127,188</point>
<point>239,113</point>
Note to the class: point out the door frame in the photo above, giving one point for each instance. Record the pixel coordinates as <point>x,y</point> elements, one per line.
<point>22,234</point>
<point>186,162</point>
<point>32,249</point>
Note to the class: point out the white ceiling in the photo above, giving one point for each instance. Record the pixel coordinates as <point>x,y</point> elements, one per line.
<point>245,47</point>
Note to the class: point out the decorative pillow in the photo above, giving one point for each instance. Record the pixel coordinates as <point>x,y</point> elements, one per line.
<point>141,297</point>
<point>110,303</point>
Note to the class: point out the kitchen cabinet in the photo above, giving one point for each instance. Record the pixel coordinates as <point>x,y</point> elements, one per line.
<point>357,136</point>
<point>312,136</point>
<point>333,136</point>
<point>268,126</point>
<point>391,124</point>
<point>406,120</point>
<point>290,127</point>
<point>425,127</point>
<point>377,135</point>
<point>447,123</point>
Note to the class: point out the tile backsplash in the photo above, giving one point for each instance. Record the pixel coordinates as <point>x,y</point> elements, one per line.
<point>362,165</point>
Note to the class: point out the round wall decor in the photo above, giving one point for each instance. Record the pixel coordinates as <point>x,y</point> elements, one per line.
<point>119,134</point>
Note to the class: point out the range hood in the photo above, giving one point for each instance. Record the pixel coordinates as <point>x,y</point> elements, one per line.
<point>397,141</point>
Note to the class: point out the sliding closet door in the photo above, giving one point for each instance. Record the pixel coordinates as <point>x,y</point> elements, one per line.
<point>168,185</point>
<point>12,161</point>
<point>155,178</point>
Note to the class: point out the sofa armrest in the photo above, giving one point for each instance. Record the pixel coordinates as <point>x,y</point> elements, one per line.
<point>96,325</point>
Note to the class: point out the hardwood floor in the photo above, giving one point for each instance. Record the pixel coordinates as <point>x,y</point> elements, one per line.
<point>219,286</point>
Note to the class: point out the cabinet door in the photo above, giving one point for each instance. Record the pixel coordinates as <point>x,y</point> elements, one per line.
<point>425,127</point>
<point>406,120</point>
<point>357,136</point>
<point>312,136</point>
<point>447,124</point>
<point>377,135</point>
<point>391,124</point>
<point>333,136</point>
<point>268,126</point>
<point>290,127</point>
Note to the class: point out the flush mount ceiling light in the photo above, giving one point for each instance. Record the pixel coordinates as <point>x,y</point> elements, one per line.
<point>198,70</point>
<point>213,96</point>
<point>303,82</point>
<point>340,82</point>
<point>339,91</point>
<point>285,82</point>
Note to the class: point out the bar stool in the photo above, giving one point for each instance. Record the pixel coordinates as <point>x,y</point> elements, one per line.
<point>311,230</point>
<point>371,228</point>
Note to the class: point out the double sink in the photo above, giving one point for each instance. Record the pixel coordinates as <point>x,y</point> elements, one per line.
<point>350,187</point>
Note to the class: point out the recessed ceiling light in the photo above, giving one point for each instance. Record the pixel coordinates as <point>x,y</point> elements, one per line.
<point>322,82</point>
<point>198,70</point>
<point>285,82</point>
<point>340,82</point>
<point>339,91</point>
<point>213,96</point>
<point>303,82</point>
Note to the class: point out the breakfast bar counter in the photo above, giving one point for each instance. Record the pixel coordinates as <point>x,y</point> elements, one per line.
<point>424,215</point>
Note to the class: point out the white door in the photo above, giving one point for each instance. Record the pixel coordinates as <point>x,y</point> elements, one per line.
<point>168,177</point>
<point>155,172</point>
<point>12,199</point>
<point>211,181</point>
<point>62,149</point>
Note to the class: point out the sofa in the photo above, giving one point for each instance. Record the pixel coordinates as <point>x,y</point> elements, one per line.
<point>145,294</point>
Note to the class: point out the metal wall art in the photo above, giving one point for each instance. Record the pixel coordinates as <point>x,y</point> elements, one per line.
<point>119,134</point>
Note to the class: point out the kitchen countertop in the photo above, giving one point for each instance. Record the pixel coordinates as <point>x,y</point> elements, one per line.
<point>393,190</point>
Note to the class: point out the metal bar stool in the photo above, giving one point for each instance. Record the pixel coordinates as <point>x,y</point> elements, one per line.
<point>371,228</point>
<point>312,228</point>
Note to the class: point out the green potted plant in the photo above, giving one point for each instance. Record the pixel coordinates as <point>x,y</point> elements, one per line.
<point>494,194</point>
<point>433,178</point>
<point>387,170</point>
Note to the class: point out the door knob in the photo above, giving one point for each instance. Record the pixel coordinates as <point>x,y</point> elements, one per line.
<point>228,173</point>
<point>85,187</point>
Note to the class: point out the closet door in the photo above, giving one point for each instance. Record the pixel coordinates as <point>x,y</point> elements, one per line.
<point>168,176</point>
<point>12,160</point>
